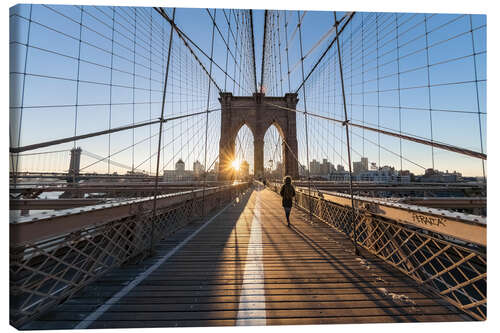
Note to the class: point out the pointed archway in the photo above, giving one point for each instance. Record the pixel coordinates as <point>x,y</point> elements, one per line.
<point>274,147</point>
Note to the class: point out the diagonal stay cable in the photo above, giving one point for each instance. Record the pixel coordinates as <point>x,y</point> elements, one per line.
<point>128,147</point>
<point>105,158</point>
<point>183,36</point>
<point>253,51</point>
<point>436,144</point>
<point>264,39</point>
<point>226,43</point>
<point>327,49</point>
<point>93,134</point>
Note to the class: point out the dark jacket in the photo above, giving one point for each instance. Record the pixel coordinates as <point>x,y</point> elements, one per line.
<point>287,192</point>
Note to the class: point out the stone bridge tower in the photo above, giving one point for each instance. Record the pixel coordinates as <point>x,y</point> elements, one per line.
<point>258,114</point>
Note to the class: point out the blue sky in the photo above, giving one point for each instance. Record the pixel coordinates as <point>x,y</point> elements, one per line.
<point>187,91</point>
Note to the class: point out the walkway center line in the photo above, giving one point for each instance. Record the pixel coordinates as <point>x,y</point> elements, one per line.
<point>87,321</point>
<point>252,309</point>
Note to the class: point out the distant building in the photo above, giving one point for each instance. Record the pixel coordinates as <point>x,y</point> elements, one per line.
<point>179,174</point>
<point>325,168</point>
<point>180,165</point>
<point>198,168</point>
<point>436,176</point>
<point>364,163</point>
<point>339,176</point>
<point>278,171</point>
<point>361,166</point>
<point>244,169</point>
<point>340,168</point>
<point>279,168</point>
<point>315,167</point>
<point>357,167</point>
<point>302,171</point>
<point>135,176</point>
<point>385,174</point>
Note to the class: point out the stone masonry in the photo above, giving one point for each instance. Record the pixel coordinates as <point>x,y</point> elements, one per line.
<point>257,113</point>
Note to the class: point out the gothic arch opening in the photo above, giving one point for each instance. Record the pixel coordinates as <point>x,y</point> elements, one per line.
<point>243,161</point>
<point>274,152</point>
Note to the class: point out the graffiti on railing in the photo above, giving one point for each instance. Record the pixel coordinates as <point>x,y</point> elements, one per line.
<point>428,220</point>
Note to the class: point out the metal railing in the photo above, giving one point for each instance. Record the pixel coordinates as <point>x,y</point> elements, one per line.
<point>443,252</point>
<point>54,257</point>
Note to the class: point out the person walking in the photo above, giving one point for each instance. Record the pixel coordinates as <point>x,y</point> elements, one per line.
<point>287,192</point>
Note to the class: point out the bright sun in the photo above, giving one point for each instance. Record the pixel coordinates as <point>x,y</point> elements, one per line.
<point>236,165</point>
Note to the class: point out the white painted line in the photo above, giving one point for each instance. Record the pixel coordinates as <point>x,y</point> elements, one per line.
<point>253,277</point>
<point>87,321</point>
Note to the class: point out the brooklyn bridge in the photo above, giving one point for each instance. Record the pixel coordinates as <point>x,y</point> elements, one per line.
<point>148,147</point>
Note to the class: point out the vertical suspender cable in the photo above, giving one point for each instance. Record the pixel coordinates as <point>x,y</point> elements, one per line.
<point>378,90</point>
<point>287,58</point>
<point>17,141</point>
<point>77,87</point>
<point>350,76</point>
<point>335,113</point>
<point>206,122</point>
<point>253,50</point>
<point>241,53</point>
<point>399,101</point>
<point>160,133</point>
<point>111,89</point>
<point>133,91</point>
<point>279,53</point>
<point>363,75</point>
<point>162,72</point>
<point>346,123</point>
<point>236,20</point>
<point>261,90</point>
<point>477,95</point>
<point>305,117</point>
<point>150,76</point>
<point>227,54</point>
<point>429,86</point>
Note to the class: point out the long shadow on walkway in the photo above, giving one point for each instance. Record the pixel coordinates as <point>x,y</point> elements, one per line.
<point>360,282</point>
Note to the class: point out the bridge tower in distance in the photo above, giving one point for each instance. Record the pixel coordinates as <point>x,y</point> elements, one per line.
<point>258,112</point>
<point>74,163</point>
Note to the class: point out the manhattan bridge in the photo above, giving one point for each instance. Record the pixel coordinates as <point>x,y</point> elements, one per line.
<point>148,148</point>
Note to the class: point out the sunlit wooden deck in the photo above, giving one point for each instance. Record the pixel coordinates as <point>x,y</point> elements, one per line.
<point>246,267</point>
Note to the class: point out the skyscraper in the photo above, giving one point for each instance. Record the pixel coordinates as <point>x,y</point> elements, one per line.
<point>364,163</point>
<point>315,167</point>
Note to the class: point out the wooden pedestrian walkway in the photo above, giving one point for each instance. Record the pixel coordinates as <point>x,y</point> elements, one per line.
<point>244,266</point>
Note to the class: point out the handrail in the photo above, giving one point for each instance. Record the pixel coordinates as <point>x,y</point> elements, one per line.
<point>31,229</point>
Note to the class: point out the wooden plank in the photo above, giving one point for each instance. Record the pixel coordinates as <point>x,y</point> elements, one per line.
<point>271,313</point>
<point>127,323</point>
<point>366,296</point>
<point>277,305</point>
<point>222,292</point>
